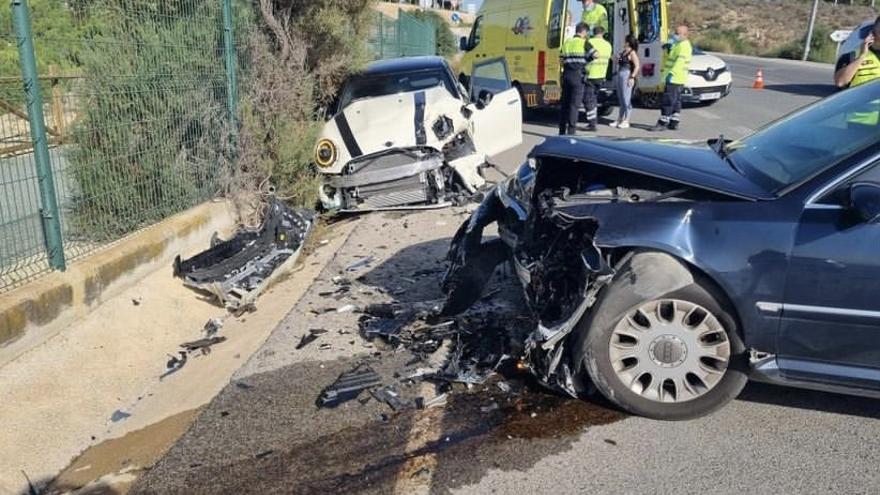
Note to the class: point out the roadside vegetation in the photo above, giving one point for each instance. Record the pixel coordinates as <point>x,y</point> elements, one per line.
<point>769,28</point>
<point>151,134</point>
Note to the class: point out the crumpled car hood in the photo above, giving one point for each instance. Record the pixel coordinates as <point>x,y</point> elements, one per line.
<point>691,163</point>
<point>371,125</point>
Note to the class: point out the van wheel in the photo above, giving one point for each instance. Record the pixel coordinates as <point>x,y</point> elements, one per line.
<point>648,100</point>
<point>661,342</point>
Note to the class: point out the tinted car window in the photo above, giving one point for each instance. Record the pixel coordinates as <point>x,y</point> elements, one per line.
<point>374,85</point>
<point>805,143</point>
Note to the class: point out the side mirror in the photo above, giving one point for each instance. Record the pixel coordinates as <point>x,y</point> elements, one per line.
<point>484,98</point>
<point>463,44</point>
<point>864,201</point>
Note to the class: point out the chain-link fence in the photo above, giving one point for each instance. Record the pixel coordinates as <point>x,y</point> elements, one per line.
<point>114,114</point>
<point>406,36</point>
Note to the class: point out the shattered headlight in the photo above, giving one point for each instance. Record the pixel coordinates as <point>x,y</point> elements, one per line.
<point>442,127</point>
<point>325,153</point>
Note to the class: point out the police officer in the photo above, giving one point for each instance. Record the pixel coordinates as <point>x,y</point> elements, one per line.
<point>862,66</point>
<point>599,56</point>
<point>674,76</point>
<point>594,15</point>
<point>573,58</point>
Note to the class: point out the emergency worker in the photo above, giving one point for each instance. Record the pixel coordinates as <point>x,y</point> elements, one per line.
<point>861,67</point>
<point>674,77</point>
<point>573,58</point>
<point>598,56</point>
<point>595,15</point>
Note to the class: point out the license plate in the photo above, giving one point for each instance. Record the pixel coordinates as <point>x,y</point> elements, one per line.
<point>710,96</point>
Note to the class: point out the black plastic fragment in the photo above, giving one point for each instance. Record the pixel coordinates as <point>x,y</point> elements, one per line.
<point>348,386</point>
<point>389,395</point>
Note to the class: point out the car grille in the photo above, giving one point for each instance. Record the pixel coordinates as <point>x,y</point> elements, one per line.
<point>395,193</point>
<point>709,74</point>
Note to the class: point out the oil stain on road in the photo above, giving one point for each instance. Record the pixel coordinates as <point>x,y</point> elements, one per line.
<point>269,437</point>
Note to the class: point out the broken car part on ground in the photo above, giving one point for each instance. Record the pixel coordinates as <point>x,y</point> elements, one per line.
<point>237,270</point>
<point>404,134</point>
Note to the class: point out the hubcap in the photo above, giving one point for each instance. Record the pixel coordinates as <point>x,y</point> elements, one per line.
<point>669,350</point>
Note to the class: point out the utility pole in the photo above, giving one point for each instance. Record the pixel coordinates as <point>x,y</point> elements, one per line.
<point>810,29</point>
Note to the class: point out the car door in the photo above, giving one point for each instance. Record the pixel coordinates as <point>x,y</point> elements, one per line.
<point>830,328</point>
<point>497,118</point>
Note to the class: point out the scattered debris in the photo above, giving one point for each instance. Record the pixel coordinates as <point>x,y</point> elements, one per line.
<point>174,364</point>
<point>203,345</point>
<point>213,326</point>
<point>310,337</point>
<point>504,387</point>
<point>266,453</point>
<point>137,301</point>
<point>438,401</point>
<point>32,490</point>
<point>489,408</point>
<point>244,309</point>
<point>610,442</point>
<point>237,270</point>
<point>348,386</point>
<point>389,395</point>
<point>361,263</point>
<point>119,415</point>
<point>348,308</point>
<point>325,347</point>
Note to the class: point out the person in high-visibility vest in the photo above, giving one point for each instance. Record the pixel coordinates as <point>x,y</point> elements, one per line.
<point>599,57</point>
<point>595,15</point>
<point>573,58</point>
<point>861,67</point>
<point>674,77</point>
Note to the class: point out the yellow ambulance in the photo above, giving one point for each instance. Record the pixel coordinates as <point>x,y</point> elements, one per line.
<point>528,34</point>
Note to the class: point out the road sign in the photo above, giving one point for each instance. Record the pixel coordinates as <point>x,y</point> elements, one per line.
<point>840,36</point>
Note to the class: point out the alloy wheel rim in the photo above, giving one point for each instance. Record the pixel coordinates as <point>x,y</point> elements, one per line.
<point>669,351</point>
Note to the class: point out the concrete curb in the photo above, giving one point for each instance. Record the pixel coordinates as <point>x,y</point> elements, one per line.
<point>37,311</point>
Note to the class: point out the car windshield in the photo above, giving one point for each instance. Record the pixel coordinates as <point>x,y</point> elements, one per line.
<point>809,141</point>
<point>374,85</point>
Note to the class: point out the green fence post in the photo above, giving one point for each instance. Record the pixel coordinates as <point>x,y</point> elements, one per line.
<point>49,213</point>
<point>231,78</point>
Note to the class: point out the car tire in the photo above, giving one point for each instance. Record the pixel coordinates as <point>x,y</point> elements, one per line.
<point>678,372</point>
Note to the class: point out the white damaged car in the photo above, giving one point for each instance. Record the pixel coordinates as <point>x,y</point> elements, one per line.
<point>405,134</point>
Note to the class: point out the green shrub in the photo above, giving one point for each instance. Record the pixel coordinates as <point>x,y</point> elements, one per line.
<point>724,41</point>
<point>152,126</point>
<point>822,49</point>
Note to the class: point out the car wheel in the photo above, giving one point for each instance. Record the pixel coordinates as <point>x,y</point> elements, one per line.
<point>661,342</point>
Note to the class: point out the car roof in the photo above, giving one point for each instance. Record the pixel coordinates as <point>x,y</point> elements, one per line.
<point>404,64</point>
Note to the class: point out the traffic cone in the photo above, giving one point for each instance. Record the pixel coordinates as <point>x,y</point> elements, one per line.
<point>759,79</point>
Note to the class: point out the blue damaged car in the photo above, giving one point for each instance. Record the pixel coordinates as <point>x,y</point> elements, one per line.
<point>665,274</point>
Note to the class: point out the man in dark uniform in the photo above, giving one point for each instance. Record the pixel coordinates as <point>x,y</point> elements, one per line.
<point>573,58</point>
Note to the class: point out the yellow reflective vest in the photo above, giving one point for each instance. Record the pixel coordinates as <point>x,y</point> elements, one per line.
<point>678,62</point>
<point>573,53</point>
<point>596,17</point>
<point>868,71</point>
<point>598,67</point>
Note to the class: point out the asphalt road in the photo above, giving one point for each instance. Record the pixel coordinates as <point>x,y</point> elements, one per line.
<point>263,434</point>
